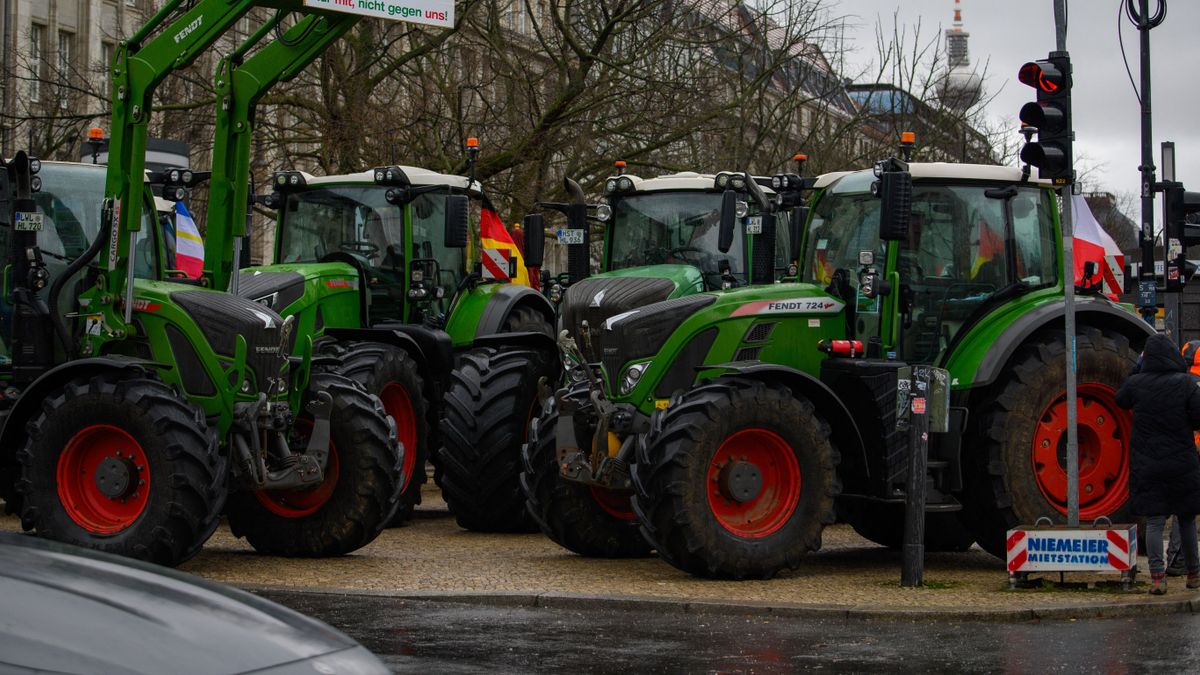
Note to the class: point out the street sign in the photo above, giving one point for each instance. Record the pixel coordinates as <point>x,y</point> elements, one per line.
<point>429,12</point>
<point>1106,549</point>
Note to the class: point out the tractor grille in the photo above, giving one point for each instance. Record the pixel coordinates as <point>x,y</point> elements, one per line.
<point>223,317</point>
<point>276,290</point>
<point>644,333</point>
<point>759,332</point>
<point>597,299</point>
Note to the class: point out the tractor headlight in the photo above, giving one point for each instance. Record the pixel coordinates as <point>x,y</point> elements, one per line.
<point>173,176</point>
<point>35,184</point>
<point>187,177</point>
<point>35,165</point>
<point>625,184</point>
<point>294,179</point>
<point>722,180</point>
<point>281,179</point>
<point>737,182</point>
<point>378,175</point>
<point>418,275</point>
<point>556,293</point>
<point>633,375</point>
<point>742,209</point>
<point>610,185</point>
<point>776,182</point>
<point>603,212</point>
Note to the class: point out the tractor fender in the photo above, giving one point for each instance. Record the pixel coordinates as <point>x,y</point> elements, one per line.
<point>843,429</point>
<point>1093,313</point>
<point>12,436</point>
<point>430,348</point>
<point>502,303</point>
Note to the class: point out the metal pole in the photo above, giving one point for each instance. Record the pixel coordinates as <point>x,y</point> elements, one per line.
<point>1173,302</point>
<point>1068,235</point>
<point>912,570</point>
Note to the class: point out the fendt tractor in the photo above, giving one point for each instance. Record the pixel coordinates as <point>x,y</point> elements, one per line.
<point>666,239</point>
<point>758,415</point>
<point>377,260</point>
<point>136,401</point>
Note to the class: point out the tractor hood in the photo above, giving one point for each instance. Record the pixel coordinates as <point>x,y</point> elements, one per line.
<point>280,286</point>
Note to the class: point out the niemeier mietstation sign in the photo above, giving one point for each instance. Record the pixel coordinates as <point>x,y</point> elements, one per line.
<point>432,12</point>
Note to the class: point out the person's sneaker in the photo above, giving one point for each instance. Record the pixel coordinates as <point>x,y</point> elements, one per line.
<point>1193,580</point>
<point>1158,584</point>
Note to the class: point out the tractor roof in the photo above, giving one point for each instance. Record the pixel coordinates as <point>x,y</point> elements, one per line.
<point>946,171</point>
<point>416,175</point>
<point>684,180</point>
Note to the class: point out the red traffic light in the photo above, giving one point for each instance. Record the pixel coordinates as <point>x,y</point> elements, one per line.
<point>1042,75</point>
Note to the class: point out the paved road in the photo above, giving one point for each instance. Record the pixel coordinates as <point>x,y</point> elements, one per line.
<point>424,637</point>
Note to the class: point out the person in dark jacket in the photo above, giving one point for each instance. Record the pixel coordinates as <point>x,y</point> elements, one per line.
<point>1164,468</point>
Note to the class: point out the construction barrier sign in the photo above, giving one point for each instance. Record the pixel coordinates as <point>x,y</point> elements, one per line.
<point>1061,549</point>
<point>429,12</point>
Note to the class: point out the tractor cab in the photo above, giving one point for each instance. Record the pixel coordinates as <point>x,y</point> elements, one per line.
<point>978,237</point>
<point>398,231</point>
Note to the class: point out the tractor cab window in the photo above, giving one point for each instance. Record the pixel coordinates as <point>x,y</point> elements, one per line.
<point>673,227</point>
<point>428,212</point>
<point>783,239</point>
<point>962,252</point>
<point>353,219</point>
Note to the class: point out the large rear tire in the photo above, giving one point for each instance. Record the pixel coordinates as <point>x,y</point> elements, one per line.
<point>1017,474</point>
<point>491,400</point>
<point>357,499</point>
<point>585,520</point>
<point>121,463</point>
<point>391,374</point>
<point>883,524</point>
<point>736,479</point>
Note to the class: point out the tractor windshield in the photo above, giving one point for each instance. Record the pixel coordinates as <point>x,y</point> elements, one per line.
<point>354,219</point>
<point>671,227</point>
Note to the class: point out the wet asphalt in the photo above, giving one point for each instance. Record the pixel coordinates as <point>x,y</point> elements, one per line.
<point>438,637</point>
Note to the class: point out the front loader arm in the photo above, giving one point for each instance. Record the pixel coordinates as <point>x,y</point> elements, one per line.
<point>142,62</point>
<point>240,85</point>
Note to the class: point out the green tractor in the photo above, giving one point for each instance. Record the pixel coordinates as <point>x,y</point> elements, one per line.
<point>667,239</point>
<point>761,414</point>
<point>377,261</point>
<point>136,401</point>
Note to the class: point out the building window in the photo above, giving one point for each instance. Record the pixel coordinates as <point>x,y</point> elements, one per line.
<point>66,45</point>
<point>37,35</point>
<point>107,52</point>
<point>518,17</point>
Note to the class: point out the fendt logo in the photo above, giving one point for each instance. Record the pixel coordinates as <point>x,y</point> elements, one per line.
<point>189,29</point>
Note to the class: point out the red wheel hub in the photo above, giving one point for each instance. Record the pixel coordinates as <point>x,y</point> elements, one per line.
<point>103,479</point>
<point>301,502</point>
<point>754,483</point>
<point>398,404</point>
<point>615,504</point>
<point>1103,429</point>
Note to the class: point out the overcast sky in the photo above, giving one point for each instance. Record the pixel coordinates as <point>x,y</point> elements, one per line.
<point>1007,33</point>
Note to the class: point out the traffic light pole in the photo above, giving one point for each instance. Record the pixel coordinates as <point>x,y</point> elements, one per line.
<point>1068,235</point>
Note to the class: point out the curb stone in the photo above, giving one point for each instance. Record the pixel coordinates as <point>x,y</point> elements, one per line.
<point>1190,605</point>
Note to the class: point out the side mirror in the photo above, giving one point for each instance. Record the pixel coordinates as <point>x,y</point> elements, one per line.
<point>895,189</point>
<point>796,226</point>
<point>728,221</point>
<point>534,226</point>
<point>457,208</point>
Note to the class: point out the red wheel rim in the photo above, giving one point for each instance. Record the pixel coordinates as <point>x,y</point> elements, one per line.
<point>775,502</point>
<point>103,479</point>
<point>615,504</point>
<point>1103,429</point>
<point>297,502</point>
<point>397,403</point>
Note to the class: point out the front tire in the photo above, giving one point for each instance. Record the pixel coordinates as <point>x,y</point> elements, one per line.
<point>736,479</point>
<point>120,463</point>
<point>491,399</point>
<point>391,374</point>
<point>1017,474</point>
<point>582,519</point>
<point>358,497</point>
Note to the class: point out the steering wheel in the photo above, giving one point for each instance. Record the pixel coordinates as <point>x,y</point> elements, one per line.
<point>679,250</point>
<point>363,248</point>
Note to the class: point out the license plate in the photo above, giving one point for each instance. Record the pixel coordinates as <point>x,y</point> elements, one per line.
<point>754,225</point>
<point>29,222</point>
<point>569,237</point>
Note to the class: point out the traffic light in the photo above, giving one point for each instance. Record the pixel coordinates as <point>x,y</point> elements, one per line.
<point>1051,116</point>
<point>1178,205</point>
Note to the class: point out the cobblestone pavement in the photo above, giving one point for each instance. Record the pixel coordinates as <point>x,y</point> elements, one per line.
<point>432,555</point>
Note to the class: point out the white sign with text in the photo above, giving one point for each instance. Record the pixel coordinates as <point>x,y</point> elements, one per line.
<point>430,12</point>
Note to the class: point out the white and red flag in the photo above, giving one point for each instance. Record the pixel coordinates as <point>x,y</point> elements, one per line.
<point>1093,244</point>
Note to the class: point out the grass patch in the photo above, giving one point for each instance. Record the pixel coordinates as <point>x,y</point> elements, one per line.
<point>932,585</point>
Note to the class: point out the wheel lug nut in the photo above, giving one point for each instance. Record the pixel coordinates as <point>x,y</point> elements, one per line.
<point>1045,443</point>
<point>1100,420</point>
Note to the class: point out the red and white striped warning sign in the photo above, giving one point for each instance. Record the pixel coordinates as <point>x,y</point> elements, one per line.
<point>495,263</point>
<point>1059,549</point>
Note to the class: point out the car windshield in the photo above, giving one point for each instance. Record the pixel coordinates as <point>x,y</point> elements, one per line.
<point>671,227</point>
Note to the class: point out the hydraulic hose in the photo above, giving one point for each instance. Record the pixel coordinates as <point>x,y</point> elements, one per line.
<point>60,327</point>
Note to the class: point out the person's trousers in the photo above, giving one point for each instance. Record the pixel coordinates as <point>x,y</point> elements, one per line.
<point>1187,540</point>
